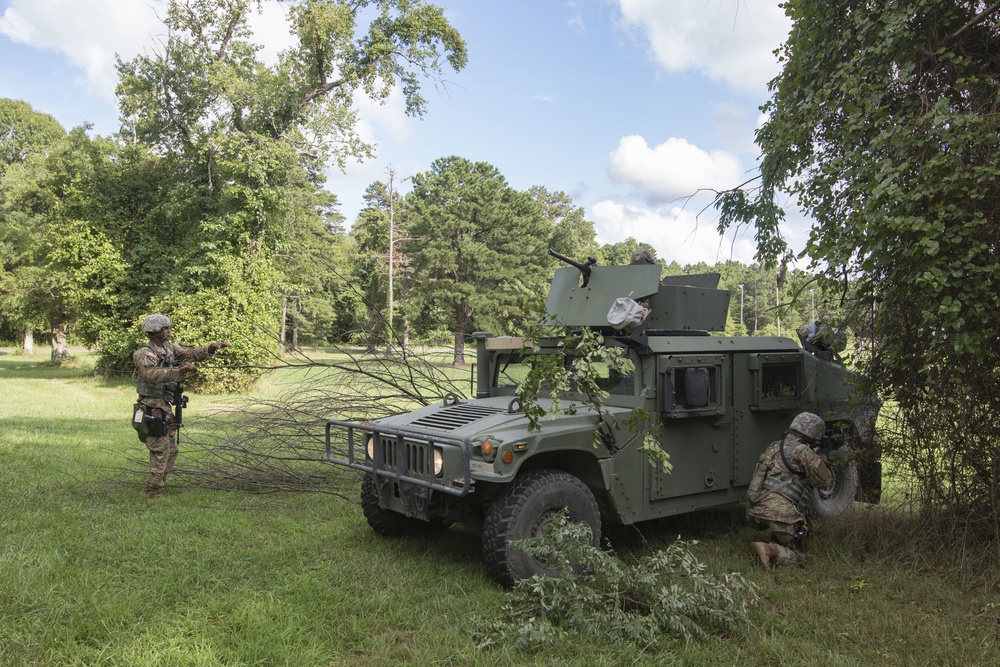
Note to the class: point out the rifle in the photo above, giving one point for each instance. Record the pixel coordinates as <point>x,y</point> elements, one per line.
<point>833,448</point>
<point>179,401</point>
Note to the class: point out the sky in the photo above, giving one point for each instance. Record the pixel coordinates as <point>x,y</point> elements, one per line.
<point>630,107</point>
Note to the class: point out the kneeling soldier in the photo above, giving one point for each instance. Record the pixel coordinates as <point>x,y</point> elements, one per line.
<point>778,497</point>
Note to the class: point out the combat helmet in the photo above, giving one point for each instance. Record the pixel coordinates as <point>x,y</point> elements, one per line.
<point>810,425</point>
<point>154,323</point>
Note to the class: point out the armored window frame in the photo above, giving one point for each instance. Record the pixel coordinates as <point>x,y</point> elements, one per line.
<point>777,381</point>
<point>676,378</point>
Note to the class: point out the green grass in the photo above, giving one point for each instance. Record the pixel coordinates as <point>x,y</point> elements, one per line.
<point>91,573</point>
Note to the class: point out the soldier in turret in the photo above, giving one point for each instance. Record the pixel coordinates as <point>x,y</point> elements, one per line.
<point>779,493</point>
<point>160,366</point>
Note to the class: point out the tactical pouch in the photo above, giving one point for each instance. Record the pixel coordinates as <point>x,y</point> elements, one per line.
<point>139,422</point>
<point>146,424</point>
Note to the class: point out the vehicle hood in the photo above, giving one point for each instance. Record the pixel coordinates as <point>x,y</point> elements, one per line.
<point>470,418</point>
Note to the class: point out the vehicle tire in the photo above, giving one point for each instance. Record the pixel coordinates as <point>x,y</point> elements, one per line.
<point>388,523</point>
<point>836,501</point>
<point>525,509</point>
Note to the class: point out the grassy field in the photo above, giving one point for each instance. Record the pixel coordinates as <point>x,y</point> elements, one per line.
<point>91,573</point>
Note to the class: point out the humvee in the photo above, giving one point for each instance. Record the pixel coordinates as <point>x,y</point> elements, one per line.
<point>717,403</point>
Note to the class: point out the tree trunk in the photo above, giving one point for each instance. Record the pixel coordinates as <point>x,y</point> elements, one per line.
<point>59,352</point>
<point>29,340</point>
<point>284,315</point>
<point>462,321</point>
<point>459,349</point>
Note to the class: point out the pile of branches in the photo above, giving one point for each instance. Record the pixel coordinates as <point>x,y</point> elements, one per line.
<point>275,439</point>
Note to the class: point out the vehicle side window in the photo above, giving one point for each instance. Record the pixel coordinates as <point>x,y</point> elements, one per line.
<point>617,384</point>
<point>776,381</point>
<point>779,381</point>
<point>512,369</point>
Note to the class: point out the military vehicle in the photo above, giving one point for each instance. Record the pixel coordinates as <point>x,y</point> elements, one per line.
<point>717,401</point>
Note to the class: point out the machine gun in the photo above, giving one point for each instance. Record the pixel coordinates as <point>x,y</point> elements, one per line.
<point>583,268</point>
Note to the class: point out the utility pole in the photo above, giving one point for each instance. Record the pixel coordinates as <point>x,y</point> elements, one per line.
<point>392,221</point>
<point>777,306</point>
<point>391,255</point>
<point>741,305</point>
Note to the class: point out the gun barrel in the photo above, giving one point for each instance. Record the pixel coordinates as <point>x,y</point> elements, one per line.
<point>564,258</point>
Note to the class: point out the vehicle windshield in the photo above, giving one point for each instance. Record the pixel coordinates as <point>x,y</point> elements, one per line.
<point>512,369</point>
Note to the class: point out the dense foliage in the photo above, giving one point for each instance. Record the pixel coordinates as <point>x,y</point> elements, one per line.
<point>883,126</point>
<point>668,593</point>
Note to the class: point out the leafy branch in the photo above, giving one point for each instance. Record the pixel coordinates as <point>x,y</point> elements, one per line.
<point>573,377</point>
<point>667,592</point>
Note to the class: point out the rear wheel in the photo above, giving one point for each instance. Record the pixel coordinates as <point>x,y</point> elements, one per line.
<point>836,501</point>
<point>526,509</point>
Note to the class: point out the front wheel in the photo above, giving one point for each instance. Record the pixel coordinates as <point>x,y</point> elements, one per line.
<point>526,509</point>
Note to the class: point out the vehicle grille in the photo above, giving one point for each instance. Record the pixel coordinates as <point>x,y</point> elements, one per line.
<point>415,453</point>
<point>456,416</point>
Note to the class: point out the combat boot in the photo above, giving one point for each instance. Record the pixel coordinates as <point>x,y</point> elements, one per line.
<point>152,492</point>
<point>766,552</point>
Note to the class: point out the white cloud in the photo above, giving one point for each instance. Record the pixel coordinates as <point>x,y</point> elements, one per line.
<point>90,32</point>
<point>672,170</point>
<point>676,233</point>
<point>87,32</point>
<point>726,41</point>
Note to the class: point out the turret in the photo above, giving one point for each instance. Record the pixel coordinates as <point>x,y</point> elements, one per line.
<point>633,299</point>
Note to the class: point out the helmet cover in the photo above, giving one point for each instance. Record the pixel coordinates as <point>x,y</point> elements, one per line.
<point>809,425</point>
<point>155,323</point>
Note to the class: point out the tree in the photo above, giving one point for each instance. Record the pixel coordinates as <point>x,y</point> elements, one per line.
<point>883,126</point>
<point>479,249</point>
<point>313,282</point>
<point>26,136</point>
<point>25,132</point>
<point>613,254</point>
<point>244,142</point>
<point>61,263</point>
<point>572,234</point>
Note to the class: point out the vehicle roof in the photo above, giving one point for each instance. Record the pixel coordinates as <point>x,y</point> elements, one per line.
<point>720,344</point>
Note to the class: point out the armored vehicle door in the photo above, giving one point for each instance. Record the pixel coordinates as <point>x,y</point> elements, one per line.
<point>693,401</point>
<point>769,389</point>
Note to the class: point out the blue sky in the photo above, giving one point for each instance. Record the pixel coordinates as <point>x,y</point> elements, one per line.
<point>626,105</point>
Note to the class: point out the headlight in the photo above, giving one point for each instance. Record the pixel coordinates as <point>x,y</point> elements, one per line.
<point>438,462</point>
<point>370,446</point>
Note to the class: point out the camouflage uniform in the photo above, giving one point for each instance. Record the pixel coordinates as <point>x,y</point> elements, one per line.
<point>778,498</point>
<point>155,368</point>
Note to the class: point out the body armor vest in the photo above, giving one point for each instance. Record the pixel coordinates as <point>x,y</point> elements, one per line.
<point>777,476</point>
<point>164,359</point>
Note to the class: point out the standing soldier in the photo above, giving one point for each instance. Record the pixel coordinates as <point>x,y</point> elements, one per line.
<point>779,493</point>
<point>159,368</point>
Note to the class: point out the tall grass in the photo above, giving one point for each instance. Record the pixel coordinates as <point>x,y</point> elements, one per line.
<point>91,573</point>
